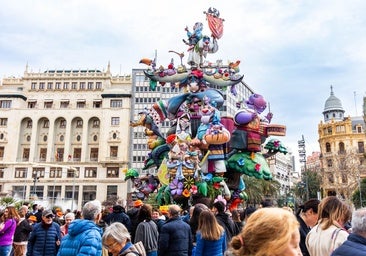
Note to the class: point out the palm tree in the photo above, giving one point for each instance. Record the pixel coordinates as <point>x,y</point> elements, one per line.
<point>257,190</point>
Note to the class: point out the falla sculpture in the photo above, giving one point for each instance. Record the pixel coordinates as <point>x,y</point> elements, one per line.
<point>203,155</point>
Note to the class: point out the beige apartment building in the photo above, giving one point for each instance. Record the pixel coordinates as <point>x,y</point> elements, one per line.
<point>64,136</point>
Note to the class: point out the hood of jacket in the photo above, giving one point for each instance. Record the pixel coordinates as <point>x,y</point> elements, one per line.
<point>79,226</point>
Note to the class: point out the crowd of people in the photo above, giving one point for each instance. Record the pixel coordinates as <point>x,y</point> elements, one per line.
<point>318,228</point>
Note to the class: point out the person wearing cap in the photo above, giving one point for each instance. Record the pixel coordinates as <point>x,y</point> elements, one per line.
<point>133,214</point>
<point>84,236</point>
<point>45,237</point>
<point>21,235</point>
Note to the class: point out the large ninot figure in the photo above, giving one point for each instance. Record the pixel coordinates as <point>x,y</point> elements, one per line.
<point>199,157</point>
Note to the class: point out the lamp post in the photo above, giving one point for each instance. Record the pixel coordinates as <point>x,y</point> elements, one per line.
<point>73,189</point>
<point>302,155</point>
<point>35,180</point>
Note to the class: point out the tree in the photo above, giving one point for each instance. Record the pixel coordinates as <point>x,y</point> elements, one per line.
<point>310,180</point>
<point>257,190</point>
<point>358,197</point>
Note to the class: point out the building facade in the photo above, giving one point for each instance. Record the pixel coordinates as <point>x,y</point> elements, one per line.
<point>63,136</point>
<point>342,145</point>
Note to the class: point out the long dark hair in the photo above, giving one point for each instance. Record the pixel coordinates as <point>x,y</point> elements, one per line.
<point>145,213</point>
<point>310,204</point>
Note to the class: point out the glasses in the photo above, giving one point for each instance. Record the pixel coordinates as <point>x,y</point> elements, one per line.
<point>108,247</point>
<point>49,216</point>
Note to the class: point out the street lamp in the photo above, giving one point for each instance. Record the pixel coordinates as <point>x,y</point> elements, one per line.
<point>35,180</point>
<point>302,155</point>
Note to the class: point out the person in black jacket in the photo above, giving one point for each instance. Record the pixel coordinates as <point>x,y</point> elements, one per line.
<point>119,215</point>
<point>21,235</point>
<point>224,220</point>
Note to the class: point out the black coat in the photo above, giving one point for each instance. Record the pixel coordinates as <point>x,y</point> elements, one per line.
<point>22,231</point>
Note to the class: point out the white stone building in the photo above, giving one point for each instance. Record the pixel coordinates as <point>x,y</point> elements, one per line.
<point>64,136</point>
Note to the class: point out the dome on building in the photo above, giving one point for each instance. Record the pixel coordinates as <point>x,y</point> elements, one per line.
<point>332,103</point>
<point>333,109</point>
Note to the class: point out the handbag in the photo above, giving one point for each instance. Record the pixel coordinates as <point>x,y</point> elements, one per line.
<point>140,248</point>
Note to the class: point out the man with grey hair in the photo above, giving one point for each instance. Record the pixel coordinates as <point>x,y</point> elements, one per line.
<point>175,236</point>
<point>84,236</point>
<point>356,241</point>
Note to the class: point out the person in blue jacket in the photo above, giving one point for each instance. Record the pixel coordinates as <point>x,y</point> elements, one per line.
<point>84,236</point>
<point>210,236</point>
<point>355,245</point>
<point>45,238</point>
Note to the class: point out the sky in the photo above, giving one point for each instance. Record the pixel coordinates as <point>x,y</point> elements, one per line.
<point>291,51</point>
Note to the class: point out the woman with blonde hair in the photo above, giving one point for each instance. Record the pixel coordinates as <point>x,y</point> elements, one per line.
<point>210,237</point>
<point>329,233</point>
<point>268,232</point>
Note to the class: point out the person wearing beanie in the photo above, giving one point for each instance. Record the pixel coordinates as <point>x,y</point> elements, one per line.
<point>133,214</point>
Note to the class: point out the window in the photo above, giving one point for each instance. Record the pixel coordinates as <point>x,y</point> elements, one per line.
<point>33,86</point>
<point>49,86</point>
<point>5,103</point>
<point>94,154</point>
<point>77,154</point>
<point>330,130</point>
<point>112,172</point>
<point>73,173</point>
<point>41,86</point>
<point>89,194</point>
<point>361,147</point>
<point>96,123</point>
<point>26,154</point>
<point>1,153</point>
<point>330,178</point>
<point>74,85</point>
<point>97,104</point>
<point>114,151</point>
<point>115,121</point>
<point>59,155</point>
<point>66,86</point>
<point>32,104</point>
<point>82,86</point>
<point>329,162</point>
<point>63,123</point>
<point>20,173</point>
<point>64,104</point>
<point>79,123</point>
<point>1,173</point>
<point>29,124</point>
<point>55,172</point>
<point>42,154</point>
<point>3,122</point>
<point>344,178</point>
<point>48,104</point>
<point>72,192</point>
<point>58,86</point>
<point>327,147</point>
<point>341,148</point>
<point>116,103</point>
<point>80,104</point>
<point>90,172</point>
<point>90,85</point>
<point>111,190</point>
<point>38,172</point>
<point>53,192</point>
<point>98,85</point>
<point>46,123</point>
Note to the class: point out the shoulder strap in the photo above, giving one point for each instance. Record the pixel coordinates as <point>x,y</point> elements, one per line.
<point>334,238</point>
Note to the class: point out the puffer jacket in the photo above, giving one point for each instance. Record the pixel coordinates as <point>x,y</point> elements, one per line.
<point>175,238</point>
<point>42,240</point>
<point>84,238</point>
<point>355,245</point>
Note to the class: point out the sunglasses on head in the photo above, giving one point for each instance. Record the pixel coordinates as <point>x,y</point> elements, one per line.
<point>49,216</point>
